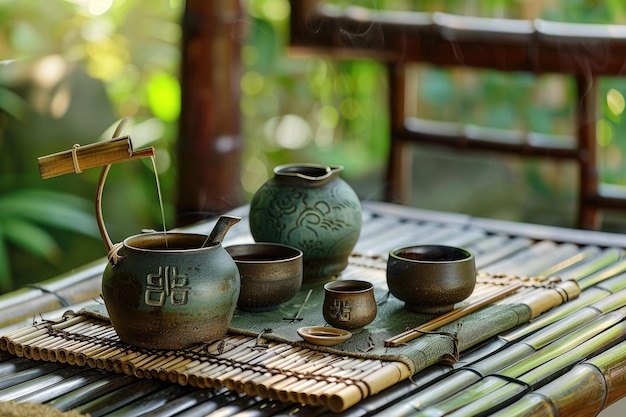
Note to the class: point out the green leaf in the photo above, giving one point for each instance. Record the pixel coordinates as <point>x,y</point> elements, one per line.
<point>32,239</point>
<point>12,104</point>
<point>6,282</point>
<point>44,195</point>
<point>51,209</point>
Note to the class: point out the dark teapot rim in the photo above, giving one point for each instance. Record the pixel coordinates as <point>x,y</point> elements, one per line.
<point>159,237</point>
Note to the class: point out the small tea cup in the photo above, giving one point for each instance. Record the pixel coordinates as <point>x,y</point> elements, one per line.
<point>271,274</point>
<point>431,278</point>
<point>349,304</point>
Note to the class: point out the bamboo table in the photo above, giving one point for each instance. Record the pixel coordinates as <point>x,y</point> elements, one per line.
<point>568,360</point>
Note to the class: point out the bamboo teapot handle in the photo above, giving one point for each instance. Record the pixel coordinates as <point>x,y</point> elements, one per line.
<point>104,154</point>
<point>110,247</point>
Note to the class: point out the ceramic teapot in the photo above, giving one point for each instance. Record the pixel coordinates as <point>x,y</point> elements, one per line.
<point>161,290</point>
<point>170,290</point>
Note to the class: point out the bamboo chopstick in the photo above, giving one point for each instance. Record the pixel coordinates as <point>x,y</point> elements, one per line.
<point>450,317</point>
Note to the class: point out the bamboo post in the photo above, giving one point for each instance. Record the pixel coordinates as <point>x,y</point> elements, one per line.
<point>209,140</point>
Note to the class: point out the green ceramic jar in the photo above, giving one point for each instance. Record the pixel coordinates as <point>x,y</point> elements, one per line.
<point>309,207</point>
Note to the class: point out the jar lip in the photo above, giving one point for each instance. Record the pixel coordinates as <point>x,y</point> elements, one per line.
<point>307,170</point>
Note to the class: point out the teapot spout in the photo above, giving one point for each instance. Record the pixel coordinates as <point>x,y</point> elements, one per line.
<point>219,230</point>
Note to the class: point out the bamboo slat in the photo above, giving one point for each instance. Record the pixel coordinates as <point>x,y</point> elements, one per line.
<point>281,371</point>
<point>499,388</point>
<point>587,298</point>
<point>586,389</point>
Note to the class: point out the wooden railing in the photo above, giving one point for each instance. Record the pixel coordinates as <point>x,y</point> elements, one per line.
<point>583,51</point>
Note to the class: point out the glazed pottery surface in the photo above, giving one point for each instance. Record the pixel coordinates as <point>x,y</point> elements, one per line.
<point>309,207</point>
<point>349,304</point>
<point>170,295</point>
<point>431,278</point>
<point>270,273</point>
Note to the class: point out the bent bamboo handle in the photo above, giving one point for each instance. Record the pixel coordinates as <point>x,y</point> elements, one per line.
<point>100,154</point>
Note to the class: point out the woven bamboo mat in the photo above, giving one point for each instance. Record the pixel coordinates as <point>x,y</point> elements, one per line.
<point>275,363</point>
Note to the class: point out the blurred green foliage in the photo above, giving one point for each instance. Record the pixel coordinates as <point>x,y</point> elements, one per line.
<point>69,71</point>
<point>307,109</point>
<point>526,102</point>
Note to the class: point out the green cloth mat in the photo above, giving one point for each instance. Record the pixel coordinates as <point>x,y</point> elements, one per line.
<point>391,320</point>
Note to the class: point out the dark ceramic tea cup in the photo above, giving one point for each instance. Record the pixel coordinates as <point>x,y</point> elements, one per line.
<point>431,278</point>
<point>349,304</point>
<point>271,274</point>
